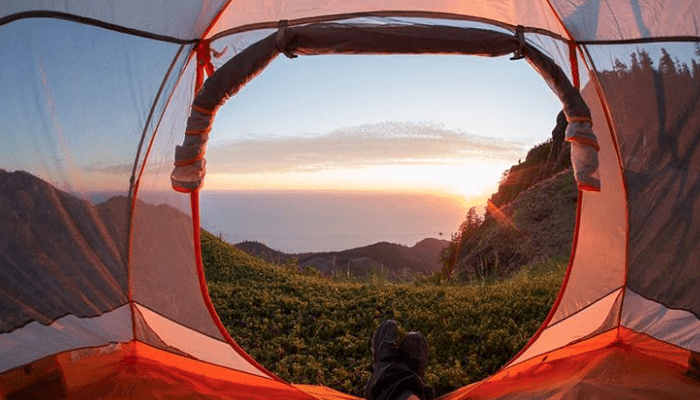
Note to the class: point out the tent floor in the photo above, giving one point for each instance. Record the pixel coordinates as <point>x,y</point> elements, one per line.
<point>616,365</point>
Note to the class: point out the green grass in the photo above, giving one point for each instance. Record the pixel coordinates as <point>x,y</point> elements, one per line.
<point>315,330</point>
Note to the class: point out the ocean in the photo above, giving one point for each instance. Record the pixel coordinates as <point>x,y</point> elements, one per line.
<point>297,222</point>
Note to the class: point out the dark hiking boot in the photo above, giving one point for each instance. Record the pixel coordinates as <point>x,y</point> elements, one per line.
<point>385,342</point>
<point>414,350</point>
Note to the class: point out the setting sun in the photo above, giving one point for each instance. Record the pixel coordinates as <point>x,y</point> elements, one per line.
<point>468,181</point>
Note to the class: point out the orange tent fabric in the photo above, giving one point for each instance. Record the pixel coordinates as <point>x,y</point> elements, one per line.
<point>101,286</point>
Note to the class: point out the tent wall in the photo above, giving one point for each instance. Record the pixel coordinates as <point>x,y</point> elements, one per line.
<point>531,13</point>
<point>65,215</point>
<point>592,293</point>
<point>187,20</point>
<point>660,154</point>
<point>81,249</point>
<point>626,20</point>
<point>182,20</point>
<point>99,259</point>
<point>660,150</point>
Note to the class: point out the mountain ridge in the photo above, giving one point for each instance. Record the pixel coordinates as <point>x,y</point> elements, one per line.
<point>396,261</point>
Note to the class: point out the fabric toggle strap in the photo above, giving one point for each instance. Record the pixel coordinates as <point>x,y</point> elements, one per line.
<point>188,154</point>
<point>190,165</point>
<point>519,53</point>
<point>282,39</point>
<point>581,131</point>
<point>584,153</point>
<point>188,178</point>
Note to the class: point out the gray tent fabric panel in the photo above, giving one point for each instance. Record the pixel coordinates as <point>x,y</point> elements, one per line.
<point>64,334</point>
<point>60,255</point>
<point>162,276</point>
<point>172,19</point>
<point>659,136</point>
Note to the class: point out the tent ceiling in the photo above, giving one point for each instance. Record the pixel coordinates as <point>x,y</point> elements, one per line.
<point>585,20</point>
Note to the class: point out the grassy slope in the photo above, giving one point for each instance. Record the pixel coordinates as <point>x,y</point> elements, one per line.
<point>538,225</point>
<point>308,329</point>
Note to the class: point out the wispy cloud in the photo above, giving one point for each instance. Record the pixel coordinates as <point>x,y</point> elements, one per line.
<point>395,143</point>
<point>118,169</point>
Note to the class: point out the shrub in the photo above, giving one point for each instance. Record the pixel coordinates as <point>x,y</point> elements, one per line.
<point>314,330</point>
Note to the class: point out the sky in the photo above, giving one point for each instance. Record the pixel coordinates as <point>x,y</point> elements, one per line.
<point>446,125</point>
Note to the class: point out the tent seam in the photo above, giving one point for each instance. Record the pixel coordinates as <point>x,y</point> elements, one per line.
<point>589,305</point>
<point>196,238</point>
<point>177,322</point>
<point>557,15</point>
<point>384,14</point>
<point>216,19</point>
<point>94,22</point>
<point>581,340</point>
<point>658,39</point>
<point>134,183</point>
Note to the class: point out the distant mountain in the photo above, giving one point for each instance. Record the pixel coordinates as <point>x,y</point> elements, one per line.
<point>52,241</point>
<point>263,252</point>
<point>46,229</point>
<point>55,230</point>
<point>397,261</point>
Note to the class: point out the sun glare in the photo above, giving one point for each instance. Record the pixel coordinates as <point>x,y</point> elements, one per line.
<point>468,181</point>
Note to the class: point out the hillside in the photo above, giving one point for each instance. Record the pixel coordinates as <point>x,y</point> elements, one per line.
<point>84,246</point>
<point>304,327</point>
<point>537,226</point>
<point>530,219</point>
<point>542,162</point>
<point>396,262</point>
<point>46,229</point>
<point>314,330</point>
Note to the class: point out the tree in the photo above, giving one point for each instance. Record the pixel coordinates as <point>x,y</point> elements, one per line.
<point>619,67</point>
<point>645,61</point>
<point>666,63</point>
<point>468,228</point>
<point>635,64</point>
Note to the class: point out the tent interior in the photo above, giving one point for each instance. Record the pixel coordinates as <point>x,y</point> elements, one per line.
<point>102,290</point>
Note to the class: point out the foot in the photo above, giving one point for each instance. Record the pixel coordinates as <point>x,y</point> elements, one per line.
<point>385,342</point>
<point>384,352</point>
<point>414,349</point>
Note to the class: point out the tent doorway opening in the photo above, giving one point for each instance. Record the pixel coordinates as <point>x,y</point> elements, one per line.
<point>385,125</point>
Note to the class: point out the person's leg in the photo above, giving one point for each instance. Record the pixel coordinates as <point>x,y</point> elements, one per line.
<point>385,344</point>
<point>414,351</point>
<point>398,370</point>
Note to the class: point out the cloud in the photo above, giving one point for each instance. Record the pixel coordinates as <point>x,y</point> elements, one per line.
<point>389,143</point>
<point>118,169</point>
